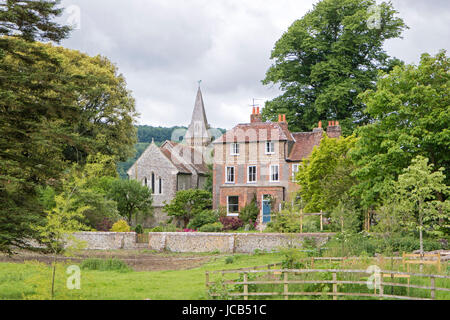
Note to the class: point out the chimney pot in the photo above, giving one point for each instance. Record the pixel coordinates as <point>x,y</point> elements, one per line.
<point>253,112</point>
<point>284,118</point>
<point>320,124</point>
<point>279,118</point>
<point>337,123</point>
<point>257,110</point>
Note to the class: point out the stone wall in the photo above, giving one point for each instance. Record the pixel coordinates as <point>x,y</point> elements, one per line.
<point>107,240</point>
<point>228,242</point>
<point>198,241</point>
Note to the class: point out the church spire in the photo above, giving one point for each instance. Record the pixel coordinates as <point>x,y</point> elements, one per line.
<point>197,133</point>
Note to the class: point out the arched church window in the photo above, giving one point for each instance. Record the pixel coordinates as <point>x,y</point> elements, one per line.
<point>153,182</point>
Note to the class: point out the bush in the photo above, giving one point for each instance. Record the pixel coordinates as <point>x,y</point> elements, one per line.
<point>105,224</point>
<point>139,229</point>
<point>121,226</point>
<point>285,221</point>
<point>249,213</point>
<point>211,227</point>
<point>203,218</point>
<point>231,223</point>
<point>105,265</point>
<point>345,244</point>
<point>229,260</point>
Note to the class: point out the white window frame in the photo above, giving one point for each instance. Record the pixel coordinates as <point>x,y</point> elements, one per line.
<point>272,166</point>
<point>270,145</point>
<point>248,173</point>
<point>234,149</point>
<point>226,174</point>
<point>295,167</point>
<point>234,214</point>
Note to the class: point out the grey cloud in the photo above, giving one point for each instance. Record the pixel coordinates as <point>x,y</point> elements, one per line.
<point>163,47</point>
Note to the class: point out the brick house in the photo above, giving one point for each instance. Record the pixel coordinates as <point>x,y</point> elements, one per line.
<point>175,166</point>
<point>259,159</point>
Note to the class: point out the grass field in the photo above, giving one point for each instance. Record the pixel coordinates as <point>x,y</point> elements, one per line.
<point>32,280</point>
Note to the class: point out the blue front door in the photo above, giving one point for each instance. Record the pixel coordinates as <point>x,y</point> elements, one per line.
<point>266,211</point>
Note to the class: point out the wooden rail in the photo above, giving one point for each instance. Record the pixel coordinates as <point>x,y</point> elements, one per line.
<point>422,259</point>
<point>283,279</point>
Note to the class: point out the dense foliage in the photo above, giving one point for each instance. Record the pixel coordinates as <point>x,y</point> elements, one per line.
<point>327,58</point>
<point>188,203</point>
<point>411,108</point>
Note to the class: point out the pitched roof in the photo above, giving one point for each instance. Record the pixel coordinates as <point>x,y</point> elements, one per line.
<point>257,131</point>
<point>199,126</point>
<point>304,144</point>
<point>183,156</point>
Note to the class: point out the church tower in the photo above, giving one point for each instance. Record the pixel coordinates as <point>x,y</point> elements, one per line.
<point>197,134</point>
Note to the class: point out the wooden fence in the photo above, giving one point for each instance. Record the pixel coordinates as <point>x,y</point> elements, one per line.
<point>427,258</point>
<point>301,215</point>
<point>281,277</point>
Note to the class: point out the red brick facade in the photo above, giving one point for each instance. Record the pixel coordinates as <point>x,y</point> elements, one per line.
<point>262,144</point>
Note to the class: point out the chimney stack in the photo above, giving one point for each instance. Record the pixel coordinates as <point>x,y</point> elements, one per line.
<point>334,130</point>
<point>256,116</point>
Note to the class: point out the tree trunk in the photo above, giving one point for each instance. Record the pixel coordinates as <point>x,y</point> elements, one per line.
<point>53,275</point>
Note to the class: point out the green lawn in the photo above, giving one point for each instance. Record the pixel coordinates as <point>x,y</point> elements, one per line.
<point>18,281</point>
<point>32,281</point>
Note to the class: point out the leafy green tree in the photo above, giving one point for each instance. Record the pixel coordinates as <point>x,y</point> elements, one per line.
<point>89,185</point>
<point>32,20</point>
<point>56,106</point>
<point>59,225</point>
<point>415,199</point>
<point>327,58</point>
<point>27,101</point>
<point>133,199</point>
<point>188,203</point>
<point>325,177</point>
<point>411,108</point>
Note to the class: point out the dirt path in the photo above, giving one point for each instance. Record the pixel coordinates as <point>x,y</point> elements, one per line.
<point>139,261</point>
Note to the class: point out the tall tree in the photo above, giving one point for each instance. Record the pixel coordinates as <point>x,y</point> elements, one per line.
<point>327,58</point>
<point>32,20</point>
<point>411,108</point>
<point>133,199</point>
<point>325,177</point>
<point>25,104</point>
<point>415,203</point>
<point>188,203</point>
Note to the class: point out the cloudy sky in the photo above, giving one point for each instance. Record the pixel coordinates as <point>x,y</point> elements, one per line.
<point>163,47</point>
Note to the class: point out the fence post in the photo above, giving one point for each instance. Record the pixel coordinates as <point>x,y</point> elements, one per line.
<point>433,288</point>
<point>439,262</point>
<point>207,280</point>
<point>334,286</point>
<point>286,286</point>
<point>301,220</point>
<point>245,286</point>
<point>321,221</point>
<point>381,286</point>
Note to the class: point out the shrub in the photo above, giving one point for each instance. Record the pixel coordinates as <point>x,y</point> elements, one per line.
<point>203,218</point>
<point>231,223</point>
<point>229,260</point>
<point>211,227</point>
<point>121,226</point>
<point>105,265</point>
<point>139,229</point>
<point>285,221</point>
<point>105,224</point>
<point>249,213</point>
